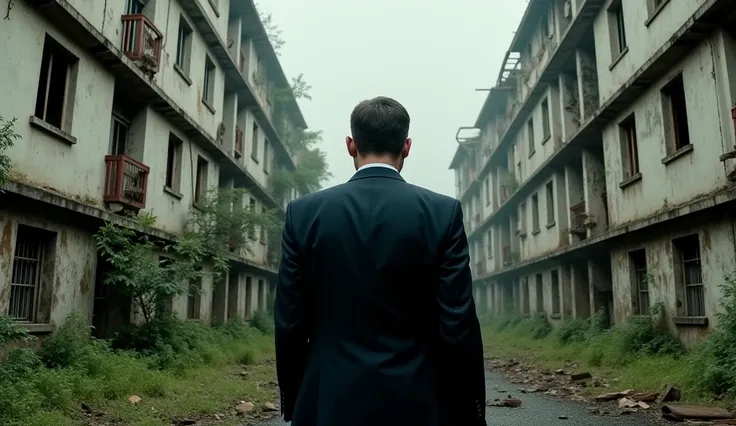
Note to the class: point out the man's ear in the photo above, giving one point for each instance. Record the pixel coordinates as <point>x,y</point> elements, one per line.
<point>407,148</point>
<point>350,144</point>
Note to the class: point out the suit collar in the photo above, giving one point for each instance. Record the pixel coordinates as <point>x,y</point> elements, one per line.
<point>376,172</point>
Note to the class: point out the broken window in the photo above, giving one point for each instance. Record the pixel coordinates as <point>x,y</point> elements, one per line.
<point>530,135</point>
<point>119,135</point>
<point>30,266</point>
<point>653,5</point>
<point>535,213</point>
<point>254,143</point>
<point>539,286</point>
<point>55,97</point>
<point>549,188</point>
<point>545,120</point>
<point>629,147</point>
<point>638,262</point>
<point>134,7</point>
<point>522,217</point>
<point>184,47</point>
<point>618,28</point>
<point>261,296</point>
<point>208,89</point>
<point>173,163</point>
<point>675,109</point>
<point>194,299</point>
<point>555,285</point>
<point>687,250</point>
<point>200,188</point>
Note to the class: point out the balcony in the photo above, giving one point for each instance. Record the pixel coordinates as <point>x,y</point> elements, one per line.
<point>126,181</point>
<point>142,42</point>
<point>238,142</point>
<point>577,219</point>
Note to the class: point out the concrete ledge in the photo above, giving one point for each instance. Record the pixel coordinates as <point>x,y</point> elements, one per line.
<point>56,199</point>
<point>712,200</point>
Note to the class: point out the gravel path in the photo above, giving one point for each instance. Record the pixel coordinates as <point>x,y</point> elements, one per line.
<point>539,409</point>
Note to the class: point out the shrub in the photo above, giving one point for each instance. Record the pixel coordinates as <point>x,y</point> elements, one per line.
<point>68,344</point>
<point>573,330</point>
<point>536,326</point>
<point>263,321</point>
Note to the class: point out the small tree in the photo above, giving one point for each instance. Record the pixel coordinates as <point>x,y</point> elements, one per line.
<point>7,139</point>
<point>137,269</point>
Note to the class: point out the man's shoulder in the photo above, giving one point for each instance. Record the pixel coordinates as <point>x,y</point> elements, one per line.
<point>316,196</point>
<point>435,197</point>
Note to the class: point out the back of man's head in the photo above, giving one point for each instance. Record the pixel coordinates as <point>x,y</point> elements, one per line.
<point>380,126</point>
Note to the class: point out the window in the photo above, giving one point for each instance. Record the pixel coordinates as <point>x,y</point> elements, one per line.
<point>545,26</point>
<point>545,120</point>
<point>134,7</point>
<point>56,84</point>
<point>654,5</point>
<point>535,212</point>
<point>618,29</point>
<point>173,163</point>
<point>687,254</point>
<point>184,47</point>
<point>522,218</point>
<point>33,268</point>
<point>530,135</point>
<point>208,91</point>
<point>525,296</point>
<point>200,188</point>
<point>252,230</point>
<point>119,135</point>
<point>549,188</point>
<point>254,143</point>
<point>488,190</point>
<point>539,286</point>
<point>555,285</point>
<point>629,147</point>
<point>675,109</point>
<point>640,282</point>
<point>194,299</point>
<point>261,296</point>
<point>262,239</point>
<point>265,155</point>
<point>489,237</point>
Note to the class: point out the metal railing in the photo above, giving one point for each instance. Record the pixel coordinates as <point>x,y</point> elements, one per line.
<point>126,181</point>
<point>142,41</point>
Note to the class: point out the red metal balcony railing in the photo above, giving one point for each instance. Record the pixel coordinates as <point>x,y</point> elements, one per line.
<point>142,41</point>
<point>126,181</point>
<point>577,217</point>
<point>238,142</point>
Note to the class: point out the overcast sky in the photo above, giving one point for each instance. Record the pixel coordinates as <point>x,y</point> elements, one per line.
<point>430,55</point>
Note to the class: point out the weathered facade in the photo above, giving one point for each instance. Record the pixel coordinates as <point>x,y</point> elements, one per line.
<point>133,106</point>
<point>602,174</point>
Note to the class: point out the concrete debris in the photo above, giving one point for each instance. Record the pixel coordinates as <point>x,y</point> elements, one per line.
<point>563,417</point>
<point>680,413</point>
<point>134,399</point>
<point>271,407</point>
<point>509,402</point>
<point>645,396</point>
<point>244,408</point>
<point>577,377</point>
<point>630,403</point>
<point>670,394</point>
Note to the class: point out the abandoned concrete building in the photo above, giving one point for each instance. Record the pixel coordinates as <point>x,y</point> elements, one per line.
<point>599,174</point>
<point>132,105</point>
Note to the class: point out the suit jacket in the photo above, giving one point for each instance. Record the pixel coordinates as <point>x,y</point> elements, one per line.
<point>375,319</point>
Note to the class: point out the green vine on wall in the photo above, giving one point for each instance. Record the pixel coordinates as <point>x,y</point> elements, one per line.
<point>7,140</point>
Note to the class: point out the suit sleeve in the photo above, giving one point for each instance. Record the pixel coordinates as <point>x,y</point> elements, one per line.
<point>461,369</point>
<point>290,320</point>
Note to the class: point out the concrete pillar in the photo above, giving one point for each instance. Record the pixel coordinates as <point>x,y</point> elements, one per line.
<point>587,83</point>
<point>566,292</point>
<point>581,302</point>
<point>594,186</point>
<point>563,212</point>
<point>234,31</point>
<point>569,105</point>
<point>234,295</point>
<point>490,309</point>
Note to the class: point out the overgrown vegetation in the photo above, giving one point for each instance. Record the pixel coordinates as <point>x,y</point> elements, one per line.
<point>640,353</point>
<point>72,370</point>
<point>7,139</point>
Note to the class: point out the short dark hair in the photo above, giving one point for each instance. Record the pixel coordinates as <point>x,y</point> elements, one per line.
<point>379,126</point>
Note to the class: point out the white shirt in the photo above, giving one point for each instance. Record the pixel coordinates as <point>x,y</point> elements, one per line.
<point>387,166</point>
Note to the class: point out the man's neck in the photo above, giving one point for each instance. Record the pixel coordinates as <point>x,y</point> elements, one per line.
<point>394,163</point>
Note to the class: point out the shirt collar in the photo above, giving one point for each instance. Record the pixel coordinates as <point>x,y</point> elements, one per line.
<point>387,166</point>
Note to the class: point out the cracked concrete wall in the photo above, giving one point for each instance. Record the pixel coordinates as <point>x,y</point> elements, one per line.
<point>73,260</point>
<point>551,235</point>
<point>718,258</point>
<point>37,156</point>
<point>643,40</point>
<point>594,185</point>
<point>694,174</point>
<point>569,104</point>
<point>587,83</point>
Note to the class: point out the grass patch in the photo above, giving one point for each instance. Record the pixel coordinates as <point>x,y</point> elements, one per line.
<point>177,368</point>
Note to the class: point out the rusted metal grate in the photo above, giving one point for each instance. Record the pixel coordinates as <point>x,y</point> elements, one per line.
<point>126,181</point>
<point>26,278</point>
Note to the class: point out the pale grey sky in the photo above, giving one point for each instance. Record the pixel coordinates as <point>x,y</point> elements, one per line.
<point>430,55</point>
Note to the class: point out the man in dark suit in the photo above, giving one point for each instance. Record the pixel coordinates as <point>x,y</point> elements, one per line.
<point>375,319</point>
